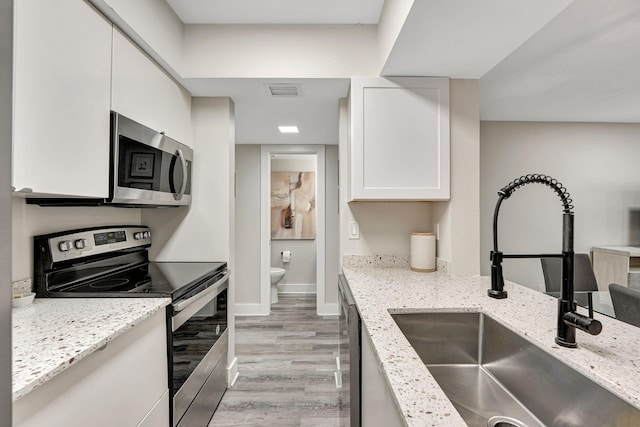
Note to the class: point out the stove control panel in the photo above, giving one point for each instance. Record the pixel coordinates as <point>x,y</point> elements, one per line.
<point>140,235</point>
<point>64,245</point>
<point>80,243</point>
<point>94,241</point>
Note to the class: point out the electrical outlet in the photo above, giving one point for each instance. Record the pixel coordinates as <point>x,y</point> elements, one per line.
<point>354,230</point>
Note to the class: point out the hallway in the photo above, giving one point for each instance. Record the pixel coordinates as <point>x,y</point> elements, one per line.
<point>286,362</point>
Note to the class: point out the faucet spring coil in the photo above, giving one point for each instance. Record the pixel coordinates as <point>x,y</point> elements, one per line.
<point>553,183</point>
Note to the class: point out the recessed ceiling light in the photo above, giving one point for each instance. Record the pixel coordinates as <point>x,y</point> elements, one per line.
<point>288,129</point>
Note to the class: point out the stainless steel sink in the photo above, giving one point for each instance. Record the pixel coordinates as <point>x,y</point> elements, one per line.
<point>495,377</point>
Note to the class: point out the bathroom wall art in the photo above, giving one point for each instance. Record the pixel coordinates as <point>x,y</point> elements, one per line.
<point>293,205</point>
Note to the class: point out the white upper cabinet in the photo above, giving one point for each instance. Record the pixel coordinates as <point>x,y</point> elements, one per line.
<point>143,92</point>
<point>399,148</point>
<point>62,92</point>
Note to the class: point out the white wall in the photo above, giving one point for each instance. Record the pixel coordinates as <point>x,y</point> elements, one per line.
<point>201,231</point>
<point>33,220</point>
<point>332,226</point>
<point>385,227</point>
<point>314,51</point>
<point>248,226</point>
<point>597,163</point>
<point>459,218</point>
<point>248,205</point>
<point>300,273</point>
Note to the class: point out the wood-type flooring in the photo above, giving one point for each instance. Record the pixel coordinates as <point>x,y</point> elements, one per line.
<point>286,362</point>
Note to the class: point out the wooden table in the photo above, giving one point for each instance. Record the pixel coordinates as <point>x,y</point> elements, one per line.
<point>616,264</point>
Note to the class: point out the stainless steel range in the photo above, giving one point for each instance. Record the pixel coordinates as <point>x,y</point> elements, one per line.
<point>112,262</point>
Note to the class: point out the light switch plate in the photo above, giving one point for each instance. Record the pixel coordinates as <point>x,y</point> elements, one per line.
<point>354,230</point>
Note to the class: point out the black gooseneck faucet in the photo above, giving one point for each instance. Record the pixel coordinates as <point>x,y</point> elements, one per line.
<point>568,319</point>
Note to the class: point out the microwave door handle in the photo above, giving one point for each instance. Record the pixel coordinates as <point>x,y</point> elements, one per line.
<point>183,161</point>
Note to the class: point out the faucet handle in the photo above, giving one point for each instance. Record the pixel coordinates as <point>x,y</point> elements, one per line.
<point>584,323</point>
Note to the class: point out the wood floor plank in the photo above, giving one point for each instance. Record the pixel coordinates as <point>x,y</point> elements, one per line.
<point>286,362</point>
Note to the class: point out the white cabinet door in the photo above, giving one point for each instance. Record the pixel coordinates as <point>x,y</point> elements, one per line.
<point>120,385</point>
<point>62,97</point>
<point>158,416</point>
<point>145,93</point>
<point>399,147</point>
<point>378,407</point>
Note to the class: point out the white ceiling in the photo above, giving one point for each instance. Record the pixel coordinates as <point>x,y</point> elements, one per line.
<point>584,65</point>
<point>277,11</point>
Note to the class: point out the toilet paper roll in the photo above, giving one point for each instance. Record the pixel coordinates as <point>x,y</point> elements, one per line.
<point>423,252</point>
<point>286,256</point>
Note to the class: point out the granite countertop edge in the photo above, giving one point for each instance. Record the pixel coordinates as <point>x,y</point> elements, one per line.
<point>379,291</point>
<point>51,335</point>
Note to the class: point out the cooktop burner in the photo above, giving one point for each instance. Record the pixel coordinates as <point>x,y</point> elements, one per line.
<point>109,284</point>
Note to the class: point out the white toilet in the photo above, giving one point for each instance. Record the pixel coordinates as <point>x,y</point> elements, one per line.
<point>276,275</point>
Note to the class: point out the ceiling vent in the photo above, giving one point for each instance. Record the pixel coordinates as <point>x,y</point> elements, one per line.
<point>283,89</point>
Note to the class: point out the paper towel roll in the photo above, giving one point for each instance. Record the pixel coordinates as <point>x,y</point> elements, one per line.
<point>423,252</point>
<point>286,256</point>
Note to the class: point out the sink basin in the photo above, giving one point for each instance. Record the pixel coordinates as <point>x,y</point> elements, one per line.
<point>494,377</point>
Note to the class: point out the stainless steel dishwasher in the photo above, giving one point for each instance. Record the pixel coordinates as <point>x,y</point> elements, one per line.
<point>349,362</point>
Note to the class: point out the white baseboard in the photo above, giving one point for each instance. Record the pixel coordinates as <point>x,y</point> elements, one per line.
<point>248,309</point>
<point>232,372</point>
<point>296,288</point>
<point>328,309</point>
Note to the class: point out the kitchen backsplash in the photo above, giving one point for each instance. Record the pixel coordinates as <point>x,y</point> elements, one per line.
<point>375,261</point>
<point>387,261</point>
<point>21,287</point>
<point>442,265</point>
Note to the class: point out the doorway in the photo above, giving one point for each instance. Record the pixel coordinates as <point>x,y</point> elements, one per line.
<point>290,227</point>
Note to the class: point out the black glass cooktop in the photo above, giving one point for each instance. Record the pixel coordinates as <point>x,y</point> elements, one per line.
<point>148,279</point>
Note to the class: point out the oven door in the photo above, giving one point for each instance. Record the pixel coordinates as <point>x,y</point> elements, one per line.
<point>198,346</point>
<point>148,168</point>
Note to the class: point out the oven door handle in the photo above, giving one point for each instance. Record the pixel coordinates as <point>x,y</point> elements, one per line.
<point>213,289</point>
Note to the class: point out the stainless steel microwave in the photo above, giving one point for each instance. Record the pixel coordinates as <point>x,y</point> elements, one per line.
<point>147,167</point>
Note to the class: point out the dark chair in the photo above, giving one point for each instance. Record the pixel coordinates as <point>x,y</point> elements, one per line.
<point>583,277</point>
<point>626,304</point>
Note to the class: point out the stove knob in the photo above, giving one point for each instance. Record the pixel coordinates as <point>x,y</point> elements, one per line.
<point>64,245</point>
<point>80,243</point>
<point>137,235</point>
<point>147,234</point>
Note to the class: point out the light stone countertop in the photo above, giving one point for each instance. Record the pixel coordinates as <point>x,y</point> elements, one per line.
<point>609,359</point>
<point>51,335</point>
